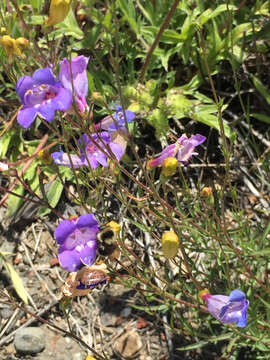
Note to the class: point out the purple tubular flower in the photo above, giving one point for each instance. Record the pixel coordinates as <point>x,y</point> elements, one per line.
<point>182,150</point>
<point>77,240</point>
<point>90,152</point>
<point>42,94</point>
<point>62,158</point>
<point>78,77</point>
<point>228,309</point>
<point>116,121</point>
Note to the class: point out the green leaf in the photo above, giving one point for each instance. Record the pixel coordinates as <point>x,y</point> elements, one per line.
<point>261,117</point>
<point>53,197</point>
<point>4,142</point>
<point>261,88</point>
<point>14,202</point>
<point>140,226</point>
<point>16,281</point>
<point>205,342</point>
<point>130,14</point>
<point>69,27</point>
<point>266,232</point>
<point>36,19</point>
<point>212,121</point>
<point>210,14</point>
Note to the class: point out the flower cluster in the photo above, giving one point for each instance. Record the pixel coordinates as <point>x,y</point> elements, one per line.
<point>42,94</point>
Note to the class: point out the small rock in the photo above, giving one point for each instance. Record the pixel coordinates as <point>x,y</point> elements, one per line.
<point>108,319</point>
<point>128,345</point>
<point>30,340</point>
<point>126,312</point>
<point>6,312</point>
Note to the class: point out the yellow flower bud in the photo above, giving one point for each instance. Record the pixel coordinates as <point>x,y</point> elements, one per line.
<point>169,166</point>
<point>9,46</point>
<point>45,157</point>
<point>22,43</point>
<point>170,244</point>
<point>206,191</point>
<point>89,357</point>
<point>3,30</point>
<point>58,11</point>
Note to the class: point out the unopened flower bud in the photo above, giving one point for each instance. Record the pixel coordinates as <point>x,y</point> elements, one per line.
<point>170,244</point>
<point>9,46</point>
<point>22,43</point>
<point>3,30</point>
<point>58,12</point>
<point>89,357</point>
<point>169,166</point>
<point>206,191</point>
<point>97,98</point>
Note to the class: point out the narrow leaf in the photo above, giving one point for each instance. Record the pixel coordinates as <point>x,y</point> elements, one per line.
<point>17,282</point>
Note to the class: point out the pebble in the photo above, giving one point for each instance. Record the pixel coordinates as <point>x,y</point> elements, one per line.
<point>6,312</point>
<point>128,345</point>
<point>30,340</point>
<point>126,312</point>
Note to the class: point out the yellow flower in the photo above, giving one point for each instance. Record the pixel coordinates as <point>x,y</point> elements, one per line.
<point>9,46</point>
<point>169,166</point>
<point>22,43</point>
<point>58,11</point>
<point>170,244</point>
<point>89,357</point>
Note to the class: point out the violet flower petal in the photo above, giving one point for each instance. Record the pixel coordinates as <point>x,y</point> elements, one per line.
<point>197,139</point>
<point>101,158</point>
<point>63,230</point>
<point>87,220</point>
<point>23,84</point>
<point>46,111</point>
<point>26,116</point>
<point>88,253</point>
<point>237,295</point>
<point>117,150</point>
<point>62,158</point>
<point>63,100</point>
<point>69,259</point>
<point>45,76</point>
